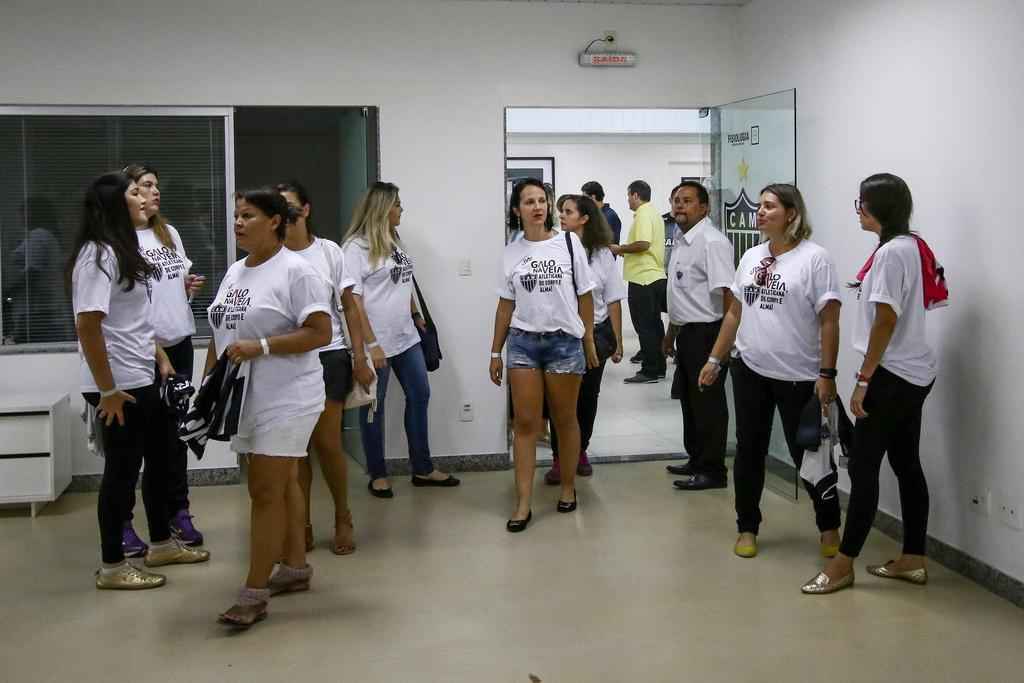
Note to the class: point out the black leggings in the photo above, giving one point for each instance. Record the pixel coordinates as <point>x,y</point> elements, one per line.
<point>756,398</point>
<point>142,438</point>
<point>586,407</point>
<point>893,426</point>
<point>182,357</point>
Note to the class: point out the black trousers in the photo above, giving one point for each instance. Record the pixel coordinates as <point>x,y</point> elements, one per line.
<point>142,438</point>
<point>646,304</point>
<point>586,407</point>
<point>183,359</point>
<point>893,426</point>
<point>705,413</point>
<point>756,398</point>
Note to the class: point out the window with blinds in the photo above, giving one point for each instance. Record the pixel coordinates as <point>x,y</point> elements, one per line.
<point>46,162</point>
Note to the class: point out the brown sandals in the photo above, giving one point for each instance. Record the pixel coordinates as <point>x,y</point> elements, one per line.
<point>344,535</point>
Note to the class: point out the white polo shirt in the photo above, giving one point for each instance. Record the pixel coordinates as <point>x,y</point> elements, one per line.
<point>895,279</point>
<point>780,334</point>
<point>701,266</point>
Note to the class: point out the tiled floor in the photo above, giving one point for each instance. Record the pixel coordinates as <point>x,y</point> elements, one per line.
<point>638,586</point>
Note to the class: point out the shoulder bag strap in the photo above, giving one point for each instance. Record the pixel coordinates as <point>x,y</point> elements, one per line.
<point>572,263</point>
<point>423,304</point>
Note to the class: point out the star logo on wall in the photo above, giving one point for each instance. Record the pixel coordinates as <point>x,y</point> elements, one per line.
<point>744,170</point>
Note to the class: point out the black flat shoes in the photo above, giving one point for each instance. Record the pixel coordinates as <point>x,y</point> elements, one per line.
<point>427,481</point>
<point>379,493</point>
<point>514,526</point>
<point>567,506</point>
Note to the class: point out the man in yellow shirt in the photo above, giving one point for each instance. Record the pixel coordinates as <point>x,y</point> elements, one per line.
<point>644,269</point>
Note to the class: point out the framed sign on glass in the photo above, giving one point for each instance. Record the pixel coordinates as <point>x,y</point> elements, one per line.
<point>518,168</point>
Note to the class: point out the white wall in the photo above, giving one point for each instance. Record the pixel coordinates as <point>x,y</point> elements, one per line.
<point>442,72</point>
<point>929,90</point>
<point>615,162</point>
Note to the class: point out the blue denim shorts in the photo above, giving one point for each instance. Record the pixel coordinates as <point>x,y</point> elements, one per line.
<point>559,353</point>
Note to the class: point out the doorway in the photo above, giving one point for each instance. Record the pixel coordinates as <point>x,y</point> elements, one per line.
<point>733,150</point>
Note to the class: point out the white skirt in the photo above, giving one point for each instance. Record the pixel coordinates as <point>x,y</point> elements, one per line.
<point>286,439</point>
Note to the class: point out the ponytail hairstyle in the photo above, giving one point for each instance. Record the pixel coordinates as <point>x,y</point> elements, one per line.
<point>299,190</point>
<point>271,203</point>
<point>789,196</point>
<point>370,221</point>
<point>887,199</point>
<point>596,234</point>
<point>107,222</point>
<point>156,222</point>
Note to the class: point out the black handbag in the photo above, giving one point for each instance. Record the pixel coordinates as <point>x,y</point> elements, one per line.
<point>428,337</point>
<point>604,339</point>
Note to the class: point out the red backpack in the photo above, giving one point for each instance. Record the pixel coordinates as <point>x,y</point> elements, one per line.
<point>933,275</point>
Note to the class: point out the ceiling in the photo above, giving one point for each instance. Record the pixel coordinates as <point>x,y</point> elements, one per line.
<point>728,3</point>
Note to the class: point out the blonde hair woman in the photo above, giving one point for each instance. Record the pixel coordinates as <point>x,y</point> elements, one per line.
<point>784,322</point>
<point>383,295</point>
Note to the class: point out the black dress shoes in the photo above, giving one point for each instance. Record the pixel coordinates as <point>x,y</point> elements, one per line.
<point>683,470</point>
<point>701,482</point>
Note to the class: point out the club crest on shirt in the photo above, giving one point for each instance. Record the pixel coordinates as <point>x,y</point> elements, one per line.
<point>217,315</point>
<point>158,272</point>
<point>401,272</point>
<point>166,263</point>
<point>750,294</point>
<point>528,281</point>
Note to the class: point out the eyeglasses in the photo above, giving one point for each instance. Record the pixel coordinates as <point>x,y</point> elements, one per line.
<point>761,270</point>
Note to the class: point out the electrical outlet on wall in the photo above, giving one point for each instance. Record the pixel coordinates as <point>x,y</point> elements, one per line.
<point>466,414</point>
<point>980,501</point>
<point>1010,513</point>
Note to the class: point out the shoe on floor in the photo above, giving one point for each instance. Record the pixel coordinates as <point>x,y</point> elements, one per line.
<point>822,585</point>
<point>640,378</point>
<point>379,493</point>
<point>447,482</point>
<point>683,470</point>
<point>745,551</point>
<point>700,482</point>
<point>250,608</point>
<point>553,476</point>
<point>584,468</point>
<point>637,358</point>
<point>183,529</point>
<point>175,552</point>
<point>918,577</point>
<point>128,577</point>
<point>131,544</point>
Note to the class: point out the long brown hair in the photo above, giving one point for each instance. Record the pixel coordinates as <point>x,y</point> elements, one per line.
<point>596,234</point>
<point>156,221</point>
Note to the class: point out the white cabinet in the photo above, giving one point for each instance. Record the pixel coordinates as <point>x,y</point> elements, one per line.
<point>35,448</point>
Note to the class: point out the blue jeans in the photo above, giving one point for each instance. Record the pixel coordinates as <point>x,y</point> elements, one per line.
<point>411,371</point>
<point>558,352</point>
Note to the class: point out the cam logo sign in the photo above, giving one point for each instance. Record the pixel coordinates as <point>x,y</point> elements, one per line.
<point>740,217</point>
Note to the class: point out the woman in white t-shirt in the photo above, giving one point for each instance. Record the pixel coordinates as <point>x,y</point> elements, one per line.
<point>383,296</point>
<point>272,309</point>
<point>784,323</point>
<point>328,260</point>
<point>174,326</point>
<point>546,311</point>
<point>580,215</point>
<point>895,378</point>
<point>111,292</point>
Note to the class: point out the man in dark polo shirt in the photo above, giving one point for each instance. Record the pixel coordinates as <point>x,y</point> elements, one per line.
<point>594,190</point>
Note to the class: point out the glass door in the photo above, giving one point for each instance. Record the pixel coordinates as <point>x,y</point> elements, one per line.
<point>754,144</point>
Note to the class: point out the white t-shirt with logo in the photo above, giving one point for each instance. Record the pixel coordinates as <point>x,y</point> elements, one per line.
<point>895,279</point>
<point>537,276</point>
<point>609,286</point>
<point>328,260</point>
<point>700,268</point>
<point>780,334</point>
<point>270,299</point>
<point>386,288</point>
<point>127,327</point>
<point>172,316</point>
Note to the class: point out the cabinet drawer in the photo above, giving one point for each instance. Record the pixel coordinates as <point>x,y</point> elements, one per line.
<point>22,479</point>
<point>24,434</point>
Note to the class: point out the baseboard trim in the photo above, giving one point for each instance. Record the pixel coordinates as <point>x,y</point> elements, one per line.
<point>986,576</point>
<point>217,476</point>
